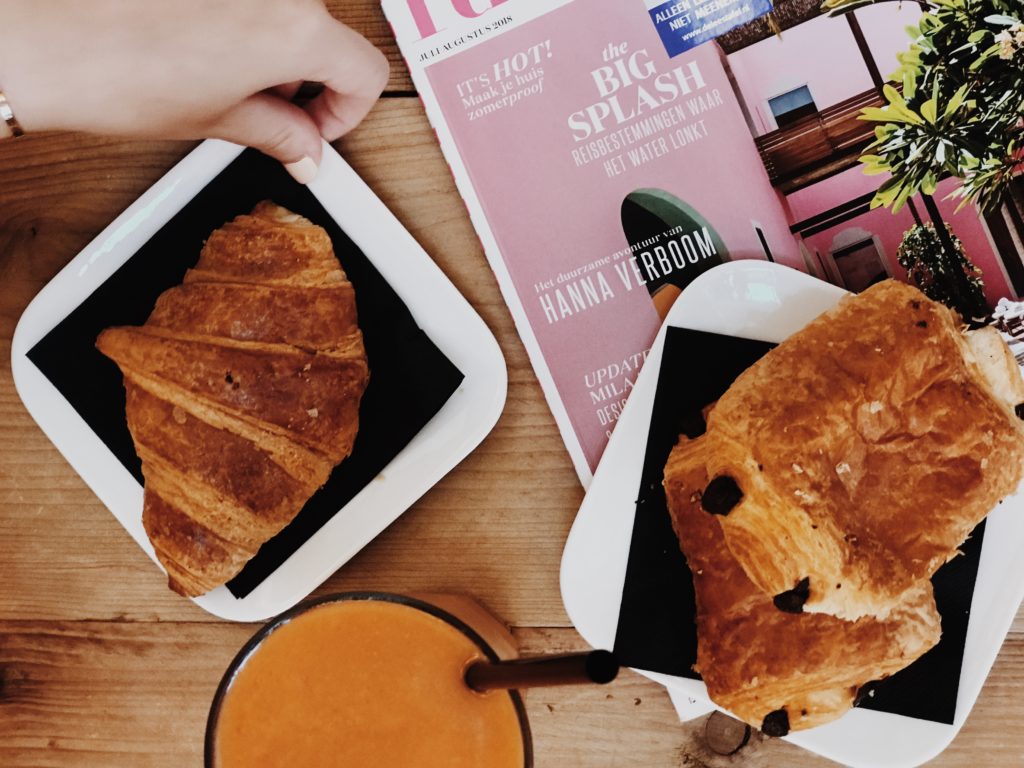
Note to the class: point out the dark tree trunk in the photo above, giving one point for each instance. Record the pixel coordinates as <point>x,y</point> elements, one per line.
<point>977,309</point>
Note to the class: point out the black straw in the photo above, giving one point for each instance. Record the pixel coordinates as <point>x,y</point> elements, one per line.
<point>595,667</point>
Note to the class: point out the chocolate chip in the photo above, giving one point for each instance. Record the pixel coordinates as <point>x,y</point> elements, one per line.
<point>721,495</point>
<point>922,323</point>
<point>228,378</point>
<point>776,723</point>
<point>793,600</point>
<point>1019,410</point>
<point>915,304</point>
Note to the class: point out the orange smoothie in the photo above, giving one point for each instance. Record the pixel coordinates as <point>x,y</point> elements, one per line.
<point>369,683</point>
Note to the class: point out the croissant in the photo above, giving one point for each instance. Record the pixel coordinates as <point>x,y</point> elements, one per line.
<point>242,392</point>
<point>779,671</point>
<point>848,464</point>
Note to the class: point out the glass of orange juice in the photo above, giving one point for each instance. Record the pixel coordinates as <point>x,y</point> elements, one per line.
<point>364,679</point>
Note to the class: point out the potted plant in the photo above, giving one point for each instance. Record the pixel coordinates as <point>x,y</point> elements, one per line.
<point>930,268</point>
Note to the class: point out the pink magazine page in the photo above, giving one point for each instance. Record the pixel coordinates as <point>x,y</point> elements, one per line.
<point>612,172</point>
<point>557,126</point>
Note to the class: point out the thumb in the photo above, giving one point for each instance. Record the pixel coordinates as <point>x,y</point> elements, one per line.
<point>277,128</point>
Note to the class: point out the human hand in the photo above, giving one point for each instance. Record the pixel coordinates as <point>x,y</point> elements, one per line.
<point>189,69</point>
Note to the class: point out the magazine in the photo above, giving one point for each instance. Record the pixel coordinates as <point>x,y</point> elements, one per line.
<point>610,151</point>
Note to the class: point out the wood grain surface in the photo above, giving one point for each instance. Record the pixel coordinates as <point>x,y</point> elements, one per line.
<point>100,665</point>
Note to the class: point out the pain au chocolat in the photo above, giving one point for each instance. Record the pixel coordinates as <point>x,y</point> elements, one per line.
<point>779,671</point>
<point>850,462</point>
<point>243,391</point>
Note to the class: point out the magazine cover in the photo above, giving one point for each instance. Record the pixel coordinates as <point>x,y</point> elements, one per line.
<point>610,152</point>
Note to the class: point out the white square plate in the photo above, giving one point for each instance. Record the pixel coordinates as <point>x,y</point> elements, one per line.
<point>438,308</point>
<point>767,302</point>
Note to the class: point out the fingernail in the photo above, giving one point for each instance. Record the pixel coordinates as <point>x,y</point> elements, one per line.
<point>303,171</point>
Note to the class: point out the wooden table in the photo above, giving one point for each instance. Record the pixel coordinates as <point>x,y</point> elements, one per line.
<point>100,665</point>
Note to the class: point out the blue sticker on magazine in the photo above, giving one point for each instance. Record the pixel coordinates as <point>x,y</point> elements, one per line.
<point>685,24</point>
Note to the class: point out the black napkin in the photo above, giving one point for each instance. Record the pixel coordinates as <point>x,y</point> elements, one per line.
<point>656,629</point>
<point>410,378</point>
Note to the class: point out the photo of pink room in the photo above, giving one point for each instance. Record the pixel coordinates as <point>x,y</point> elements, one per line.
<point>802,79</point>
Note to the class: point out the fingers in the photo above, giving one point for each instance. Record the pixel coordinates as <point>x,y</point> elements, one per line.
<point>277,128</point>
<point>286,91</point>
<point>354,74</point>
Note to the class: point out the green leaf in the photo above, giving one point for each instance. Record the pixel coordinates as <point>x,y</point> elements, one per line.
<point>898,109</point>
<point>1001,20</point>
<point>910,84</point>
<point>956,100</point>
<point>888,116</point>
<point>893,96</point>
<point>901,199</point>
<point>961,109</point>
<point>874,165</point>
<point>959,192</point>
<point>887,193</point>
<point>929,111</point>
<point>880,200</point>
<point>876,114</point>
<point>987,54</point>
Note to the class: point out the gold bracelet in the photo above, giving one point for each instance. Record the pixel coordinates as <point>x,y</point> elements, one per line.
<point>7,115</point>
